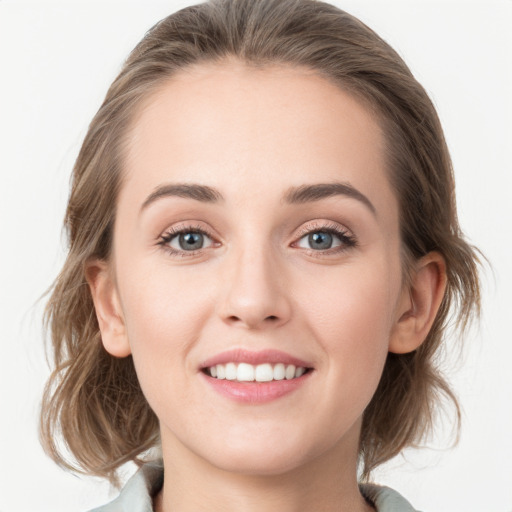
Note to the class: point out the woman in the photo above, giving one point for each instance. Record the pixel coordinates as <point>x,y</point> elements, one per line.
<point>264,251</point>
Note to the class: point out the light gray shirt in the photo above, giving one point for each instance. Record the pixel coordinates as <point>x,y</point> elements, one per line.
<point>137,495</point>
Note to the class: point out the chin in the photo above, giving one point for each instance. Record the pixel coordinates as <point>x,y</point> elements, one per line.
<point>248,464</point>
<point>264,456</point>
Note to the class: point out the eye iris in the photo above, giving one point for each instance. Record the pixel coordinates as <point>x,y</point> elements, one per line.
<point>320,240</point>
<point>191,241</point>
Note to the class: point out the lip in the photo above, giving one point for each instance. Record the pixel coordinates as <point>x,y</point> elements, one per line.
<point>254,357</point>
<point>255,392</point>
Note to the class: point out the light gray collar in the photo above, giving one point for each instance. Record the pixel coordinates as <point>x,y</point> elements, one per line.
<point>138,493</point>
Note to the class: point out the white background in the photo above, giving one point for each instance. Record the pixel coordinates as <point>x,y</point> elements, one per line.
<point>56,62</point>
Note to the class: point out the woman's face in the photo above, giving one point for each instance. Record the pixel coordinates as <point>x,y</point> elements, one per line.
<point>256,230</point>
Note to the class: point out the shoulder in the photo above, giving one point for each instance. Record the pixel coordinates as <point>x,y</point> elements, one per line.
<point>137,495</point>
<point>385,499</point>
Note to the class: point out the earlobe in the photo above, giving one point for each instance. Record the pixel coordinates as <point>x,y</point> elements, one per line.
<point>108,308</point>
<point>419,304</point>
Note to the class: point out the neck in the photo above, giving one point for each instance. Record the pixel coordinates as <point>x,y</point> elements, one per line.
<point>327,483</point>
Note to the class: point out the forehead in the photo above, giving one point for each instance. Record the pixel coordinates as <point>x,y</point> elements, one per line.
<point>235,126</point>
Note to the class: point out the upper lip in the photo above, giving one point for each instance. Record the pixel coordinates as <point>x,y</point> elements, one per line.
<point>254,357</point>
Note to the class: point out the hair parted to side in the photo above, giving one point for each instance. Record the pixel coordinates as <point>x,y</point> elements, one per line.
<point>93,401</point>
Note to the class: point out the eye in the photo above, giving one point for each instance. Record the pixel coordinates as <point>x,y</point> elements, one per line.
<point>319,240</point>
<point>325,239</point>
<point>190,241</point>
<point>185,240</point>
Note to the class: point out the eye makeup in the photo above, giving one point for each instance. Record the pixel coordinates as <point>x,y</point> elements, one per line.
<point>318,239</point>
<point>324,238</point>
<point>187,240</point>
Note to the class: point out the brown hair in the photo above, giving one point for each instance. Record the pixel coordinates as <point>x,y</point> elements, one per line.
<point>93,400</point>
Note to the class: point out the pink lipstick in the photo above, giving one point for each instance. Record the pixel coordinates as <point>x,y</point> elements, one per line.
<point>255,377</point>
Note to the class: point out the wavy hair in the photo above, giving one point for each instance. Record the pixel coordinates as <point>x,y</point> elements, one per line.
<point>93,401</point>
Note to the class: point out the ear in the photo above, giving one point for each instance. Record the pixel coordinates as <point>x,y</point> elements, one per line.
<point>108,308</point>
<point>419,303</point>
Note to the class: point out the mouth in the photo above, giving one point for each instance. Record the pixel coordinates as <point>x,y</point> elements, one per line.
<point>255,377</point>
<point>245,372</point>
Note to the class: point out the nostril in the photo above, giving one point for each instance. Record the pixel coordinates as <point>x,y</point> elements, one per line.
<point>271,317</point>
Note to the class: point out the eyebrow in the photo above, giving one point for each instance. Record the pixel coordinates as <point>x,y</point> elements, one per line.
<point>201,193</point>
<point>294,195</point>
<point>310,193</point>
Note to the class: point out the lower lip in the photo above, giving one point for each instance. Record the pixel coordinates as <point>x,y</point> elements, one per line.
<point>256,392</point>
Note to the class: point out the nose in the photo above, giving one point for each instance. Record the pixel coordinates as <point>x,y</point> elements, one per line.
<point>256,294</point>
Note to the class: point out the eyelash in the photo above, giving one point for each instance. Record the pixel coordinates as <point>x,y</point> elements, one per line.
<point>346,238</point>
<point>173,232</point>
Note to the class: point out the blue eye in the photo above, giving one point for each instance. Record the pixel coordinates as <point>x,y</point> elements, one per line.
<point>320,241</point>
<point>190,241</point>
<point>332,239</point>
<point>186,240</point>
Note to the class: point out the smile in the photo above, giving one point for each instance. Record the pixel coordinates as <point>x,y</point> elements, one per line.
<point>257,377</point>
<point>244,372</point>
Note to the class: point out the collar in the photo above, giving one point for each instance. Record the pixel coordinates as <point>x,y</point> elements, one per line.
<point>137,495</point>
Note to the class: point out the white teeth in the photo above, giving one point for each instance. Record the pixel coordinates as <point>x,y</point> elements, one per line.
<point>231,371</point>
<point>279,371</point>
<point>244,372</point>
<point>264,373</point>
<point>221,371</point>
<point>299,371</point>
<point>290,372</point>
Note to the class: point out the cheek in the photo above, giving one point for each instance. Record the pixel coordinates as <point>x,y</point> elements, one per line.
<point>358,299</point>
<point>164,312</point>
<point>351,317</point>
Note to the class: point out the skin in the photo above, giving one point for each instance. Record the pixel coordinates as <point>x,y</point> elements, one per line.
<point>257,284</point>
